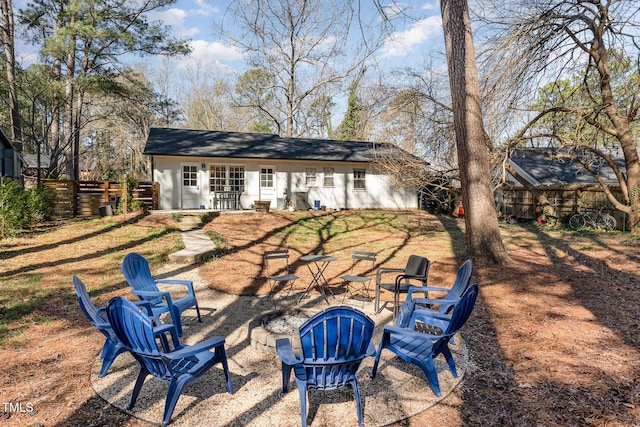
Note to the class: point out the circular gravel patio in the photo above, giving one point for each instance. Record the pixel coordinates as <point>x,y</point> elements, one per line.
<point>399,390</point>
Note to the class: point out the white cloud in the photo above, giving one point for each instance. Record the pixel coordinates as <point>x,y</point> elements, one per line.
<point>402,43</point>
<point>187,32</point>
<point>205,9</point>
<point>174,16</point>
<point>431,6</point>
<point>204,50</point>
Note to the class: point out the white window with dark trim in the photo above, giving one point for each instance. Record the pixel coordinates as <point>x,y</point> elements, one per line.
<point>328,177</point>
<point>359,179</point>
<point>226,178</point>
<point>266,177</point>
<point>310,177</point>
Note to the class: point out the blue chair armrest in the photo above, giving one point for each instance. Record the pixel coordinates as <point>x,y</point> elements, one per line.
<point>425,313</point>
<point>153,294</point>
<point>441,301</point>
<point>164,327</point>
<point>390,329</point>
<point>285,352</point>
<point>190,350</point>
<point>187,283</point>
<point>103,326</point>
<point>146,305</point>
<point>413,289</point>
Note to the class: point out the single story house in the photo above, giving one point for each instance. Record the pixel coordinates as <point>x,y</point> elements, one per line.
<point>232,170</point>
<point>9,157</point>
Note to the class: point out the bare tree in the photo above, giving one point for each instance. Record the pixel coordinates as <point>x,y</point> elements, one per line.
<point>208,101</point>
<point>302,45</point>
<point>484,242</point>
<point>537,42</point>
<point>117,126</point>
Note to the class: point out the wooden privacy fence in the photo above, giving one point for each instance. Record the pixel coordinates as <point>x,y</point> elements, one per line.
<point>87,198</point>
<point>520,203</point>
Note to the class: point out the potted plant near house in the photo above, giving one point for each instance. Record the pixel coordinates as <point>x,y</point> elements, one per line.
<point>288,203</point>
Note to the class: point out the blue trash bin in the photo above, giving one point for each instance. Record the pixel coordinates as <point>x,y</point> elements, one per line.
<point>316,205</point>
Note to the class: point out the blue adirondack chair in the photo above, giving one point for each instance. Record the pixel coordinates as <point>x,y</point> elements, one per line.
<point>334,343</point>
<point>179,367</point>
<point>112,347</point>
<point>412,306</point>
<point>421,348</point>
<point>138,275</point>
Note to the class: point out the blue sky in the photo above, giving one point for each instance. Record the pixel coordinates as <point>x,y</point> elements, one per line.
<point>193,19</point>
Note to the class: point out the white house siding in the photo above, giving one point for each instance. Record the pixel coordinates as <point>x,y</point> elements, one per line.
<point>289,180</point>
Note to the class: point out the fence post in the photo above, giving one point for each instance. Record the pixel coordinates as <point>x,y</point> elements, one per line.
<point>125,196</point>
<point>106,192</point>
<point>155,191</point>
<point>74,199</point>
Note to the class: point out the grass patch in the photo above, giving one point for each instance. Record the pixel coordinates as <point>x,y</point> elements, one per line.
<point>35,274</point>
<point>218,240</point>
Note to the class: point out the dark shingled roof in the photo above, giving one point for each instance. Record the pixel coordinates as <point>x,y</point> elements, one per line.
<point>5,142</point>
<point>562,171</point>
<point>240,145</point>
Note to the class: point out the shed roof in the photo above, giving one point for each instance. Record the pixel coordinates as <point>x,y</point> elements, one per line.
<point>539,169</point>
<point>5,142</point>
<point>31,160</point>
<point>241,145</point>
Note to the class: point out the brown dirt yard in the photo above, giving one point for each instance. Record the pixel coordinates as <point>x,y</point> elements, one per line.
<point>553,341</point>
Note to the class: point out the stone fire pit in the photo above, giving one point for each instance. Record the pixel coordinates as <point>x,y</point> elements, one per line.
<point>269,327</point>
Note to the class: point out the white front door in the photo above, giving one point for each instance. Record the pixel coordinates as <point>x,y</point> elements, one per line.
<point>190,186</point>
<point>268,184</point>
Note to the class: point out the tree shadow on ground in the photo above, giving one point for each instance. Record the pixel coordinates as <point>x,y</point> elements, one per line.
<point>8,254</point>
<point>491,393</point>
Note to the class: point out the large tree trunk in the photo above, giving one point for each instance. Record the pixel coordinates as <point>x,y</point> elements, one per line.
<point>54,143</point>
<point>484,243</point>
<point>624,135</point>
<point>69,94</point>
<point>76,136</point>
<point>10,61</point>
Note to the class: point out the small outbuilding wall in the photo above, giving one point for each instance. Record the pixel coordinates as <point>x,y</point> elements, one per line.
<point>568,199</point>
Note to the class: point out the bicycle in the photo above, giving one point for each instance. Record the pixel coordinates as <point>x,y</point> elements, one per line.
<point>549,215</point>
<point>595,219</point>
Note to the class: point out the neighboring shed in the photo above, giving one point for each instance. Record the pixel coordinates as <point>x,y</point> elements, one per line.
<point>9,157</point>
<point>226,170</point>
<point>30,168</point>
<point>566,183</point>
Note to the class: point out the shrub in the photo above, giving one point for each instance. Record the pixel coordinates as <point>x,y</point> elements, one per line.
<point>12,207</point>
<point>20,208</point>
<point>138,205</point>
<point>41,202</point>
